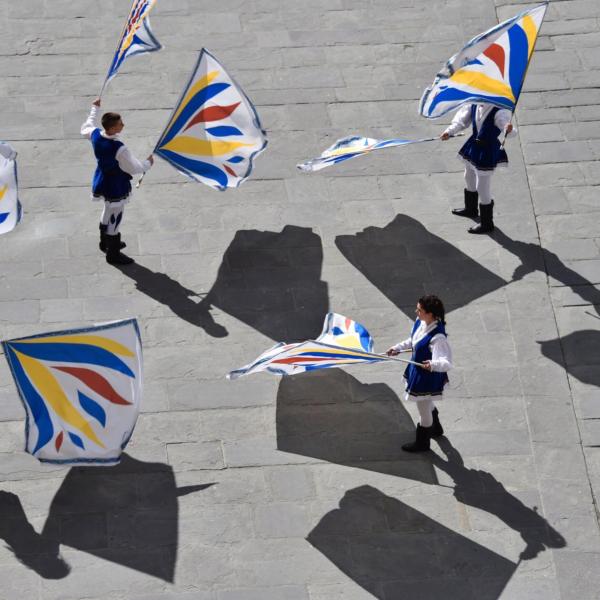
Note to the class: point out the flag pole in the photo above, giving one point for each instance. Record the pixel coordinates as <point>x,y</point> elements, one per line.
<point>525,75</point>
<point>403,360</point>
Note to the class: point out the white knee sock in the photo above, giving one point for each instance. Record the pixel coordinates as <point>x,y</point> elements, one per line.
<point>425,409</point>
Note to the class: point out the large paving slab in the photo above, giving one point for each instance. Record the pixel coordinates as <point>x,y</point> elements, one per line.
<point>297,489</point>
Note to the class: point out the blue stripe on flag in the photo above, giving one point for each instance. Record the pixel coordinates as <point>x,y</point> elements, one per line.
<point>73,353</point>
<point>34,401</point>
<point>224,130</point>
<point>195,167</point>
<point>519,47</point>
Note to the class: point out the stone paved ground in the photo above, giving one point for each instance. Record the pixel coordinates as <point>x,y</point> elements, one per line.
<point>297,489</point>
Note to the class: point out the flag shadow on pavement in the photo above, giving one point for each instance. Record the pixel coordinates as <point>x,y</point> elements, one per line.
<point>404,261</point>
<point>127,514</point>
<point>395,551</point>
<point>332,416</point>
<point>272,282</point>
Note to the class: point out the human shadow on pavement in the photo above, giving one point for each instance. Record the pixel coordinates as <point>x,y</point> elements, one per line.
<point>332,416</point>
<point>395,551</point>
<point>167,291</point>
<point>483,491</point>
<point>535,258</point>
<point>127,514</point>
<point>577,352</point>
<point>272,282</point>
<point>404,260</point>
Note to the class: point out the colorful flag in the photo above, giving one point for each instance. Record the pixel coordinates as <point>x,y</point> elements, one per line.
<point>137,37</point>
<point>342,342</point>
<point>490,69</point>
<point>350,147</point>
<point>10,207</point>
<point>213,121</point>
<point>81,390</point>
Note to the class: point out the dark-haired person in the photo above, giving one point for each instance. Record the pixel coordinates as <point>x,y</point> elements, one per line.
<point>481,154</point>
<point>112,178</point>
<point>425,383</point>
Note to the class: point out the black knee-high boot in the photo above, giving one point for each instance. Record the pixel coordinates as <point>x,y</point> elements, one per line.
<point>486,221</point>
<point>470,209</point>
<point>103,234</point>
<point>113,251</point>
<point>436,429</point>
<point>421,443</point>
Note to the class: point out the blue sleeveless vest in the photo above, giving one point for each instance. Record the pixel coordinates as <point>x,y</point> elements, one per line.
<point>110,180</point>
<point>420,382</point>
<point>483,149</point>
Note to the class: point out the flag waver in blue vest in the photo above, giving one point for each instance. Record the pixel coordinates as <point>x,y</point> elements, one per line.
<point>426,374</point>
<point>484,81</point>
<point>112,178</point>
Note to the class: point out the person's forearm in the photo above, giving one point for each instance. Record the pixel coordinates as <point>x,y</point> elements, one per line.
<point>91,123</point>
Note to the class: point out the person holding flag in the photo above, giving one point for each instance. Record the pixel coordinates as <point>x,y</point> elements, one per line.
<point>481,153</point>
<point>484,81</point>
<point>425,374</point>
<point>112,178</point>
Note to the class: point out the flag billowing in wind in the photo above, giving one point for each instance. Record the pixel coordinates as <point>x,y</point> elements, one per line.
<point>350,147</point>
<point>214,132</point>
<point>81,390</point>
<point>137,37</point>
<point>490,69</point>
<point>10,207</point>
<point>342,342</point>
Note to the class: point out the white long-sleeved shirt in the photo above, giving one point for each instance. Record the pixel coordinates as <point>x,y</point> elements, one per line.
<point>127,161</point>
<point>462,119</point>
<point>441,354</point>
<point>7,151</point>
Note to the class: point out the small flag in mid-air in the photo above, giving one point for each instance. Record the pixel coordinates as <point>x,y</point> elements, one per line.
<point>81,390</point>
<point>214,133</point>
<point>10,207</point>
<point>490,69</point>
<point>137,37</point>
<point>342,342</point>
<point>350,147</point>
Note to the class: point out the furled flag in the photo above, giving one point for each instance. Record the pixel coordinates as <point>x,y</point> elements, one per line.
<point>10,207</point>
<point>350,147</point>
<point>342,342</point>
<point>137,37</point>
<point>490,69</point>
<point>81,390</point>
<point>214,132</point>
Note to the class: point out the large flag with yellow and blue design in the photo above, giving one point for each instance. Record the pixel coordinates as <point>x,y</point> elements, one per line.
<point>342,342</point>
<point>81,390</point>
<point>490,69</point>
<point>10,207</point>
<point>214,133</point>
<point>137,37</point>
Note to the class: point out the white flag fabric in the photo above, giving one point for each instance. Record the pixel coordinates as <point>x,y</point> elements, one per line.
<point>351,147</point>
<point>81,390</point>
<point>490,69</point>
<point>10,207</point>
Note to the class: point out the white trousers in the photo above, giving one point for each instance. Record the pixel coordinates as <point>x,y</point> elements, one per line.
<point>112,215</point>
<point>476,181</point>
<point>425,412</point>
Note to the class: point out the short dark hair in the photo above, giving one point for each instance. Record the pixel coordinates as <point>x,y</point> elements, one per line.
<point>110,119</point>
<point>432,304</point>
